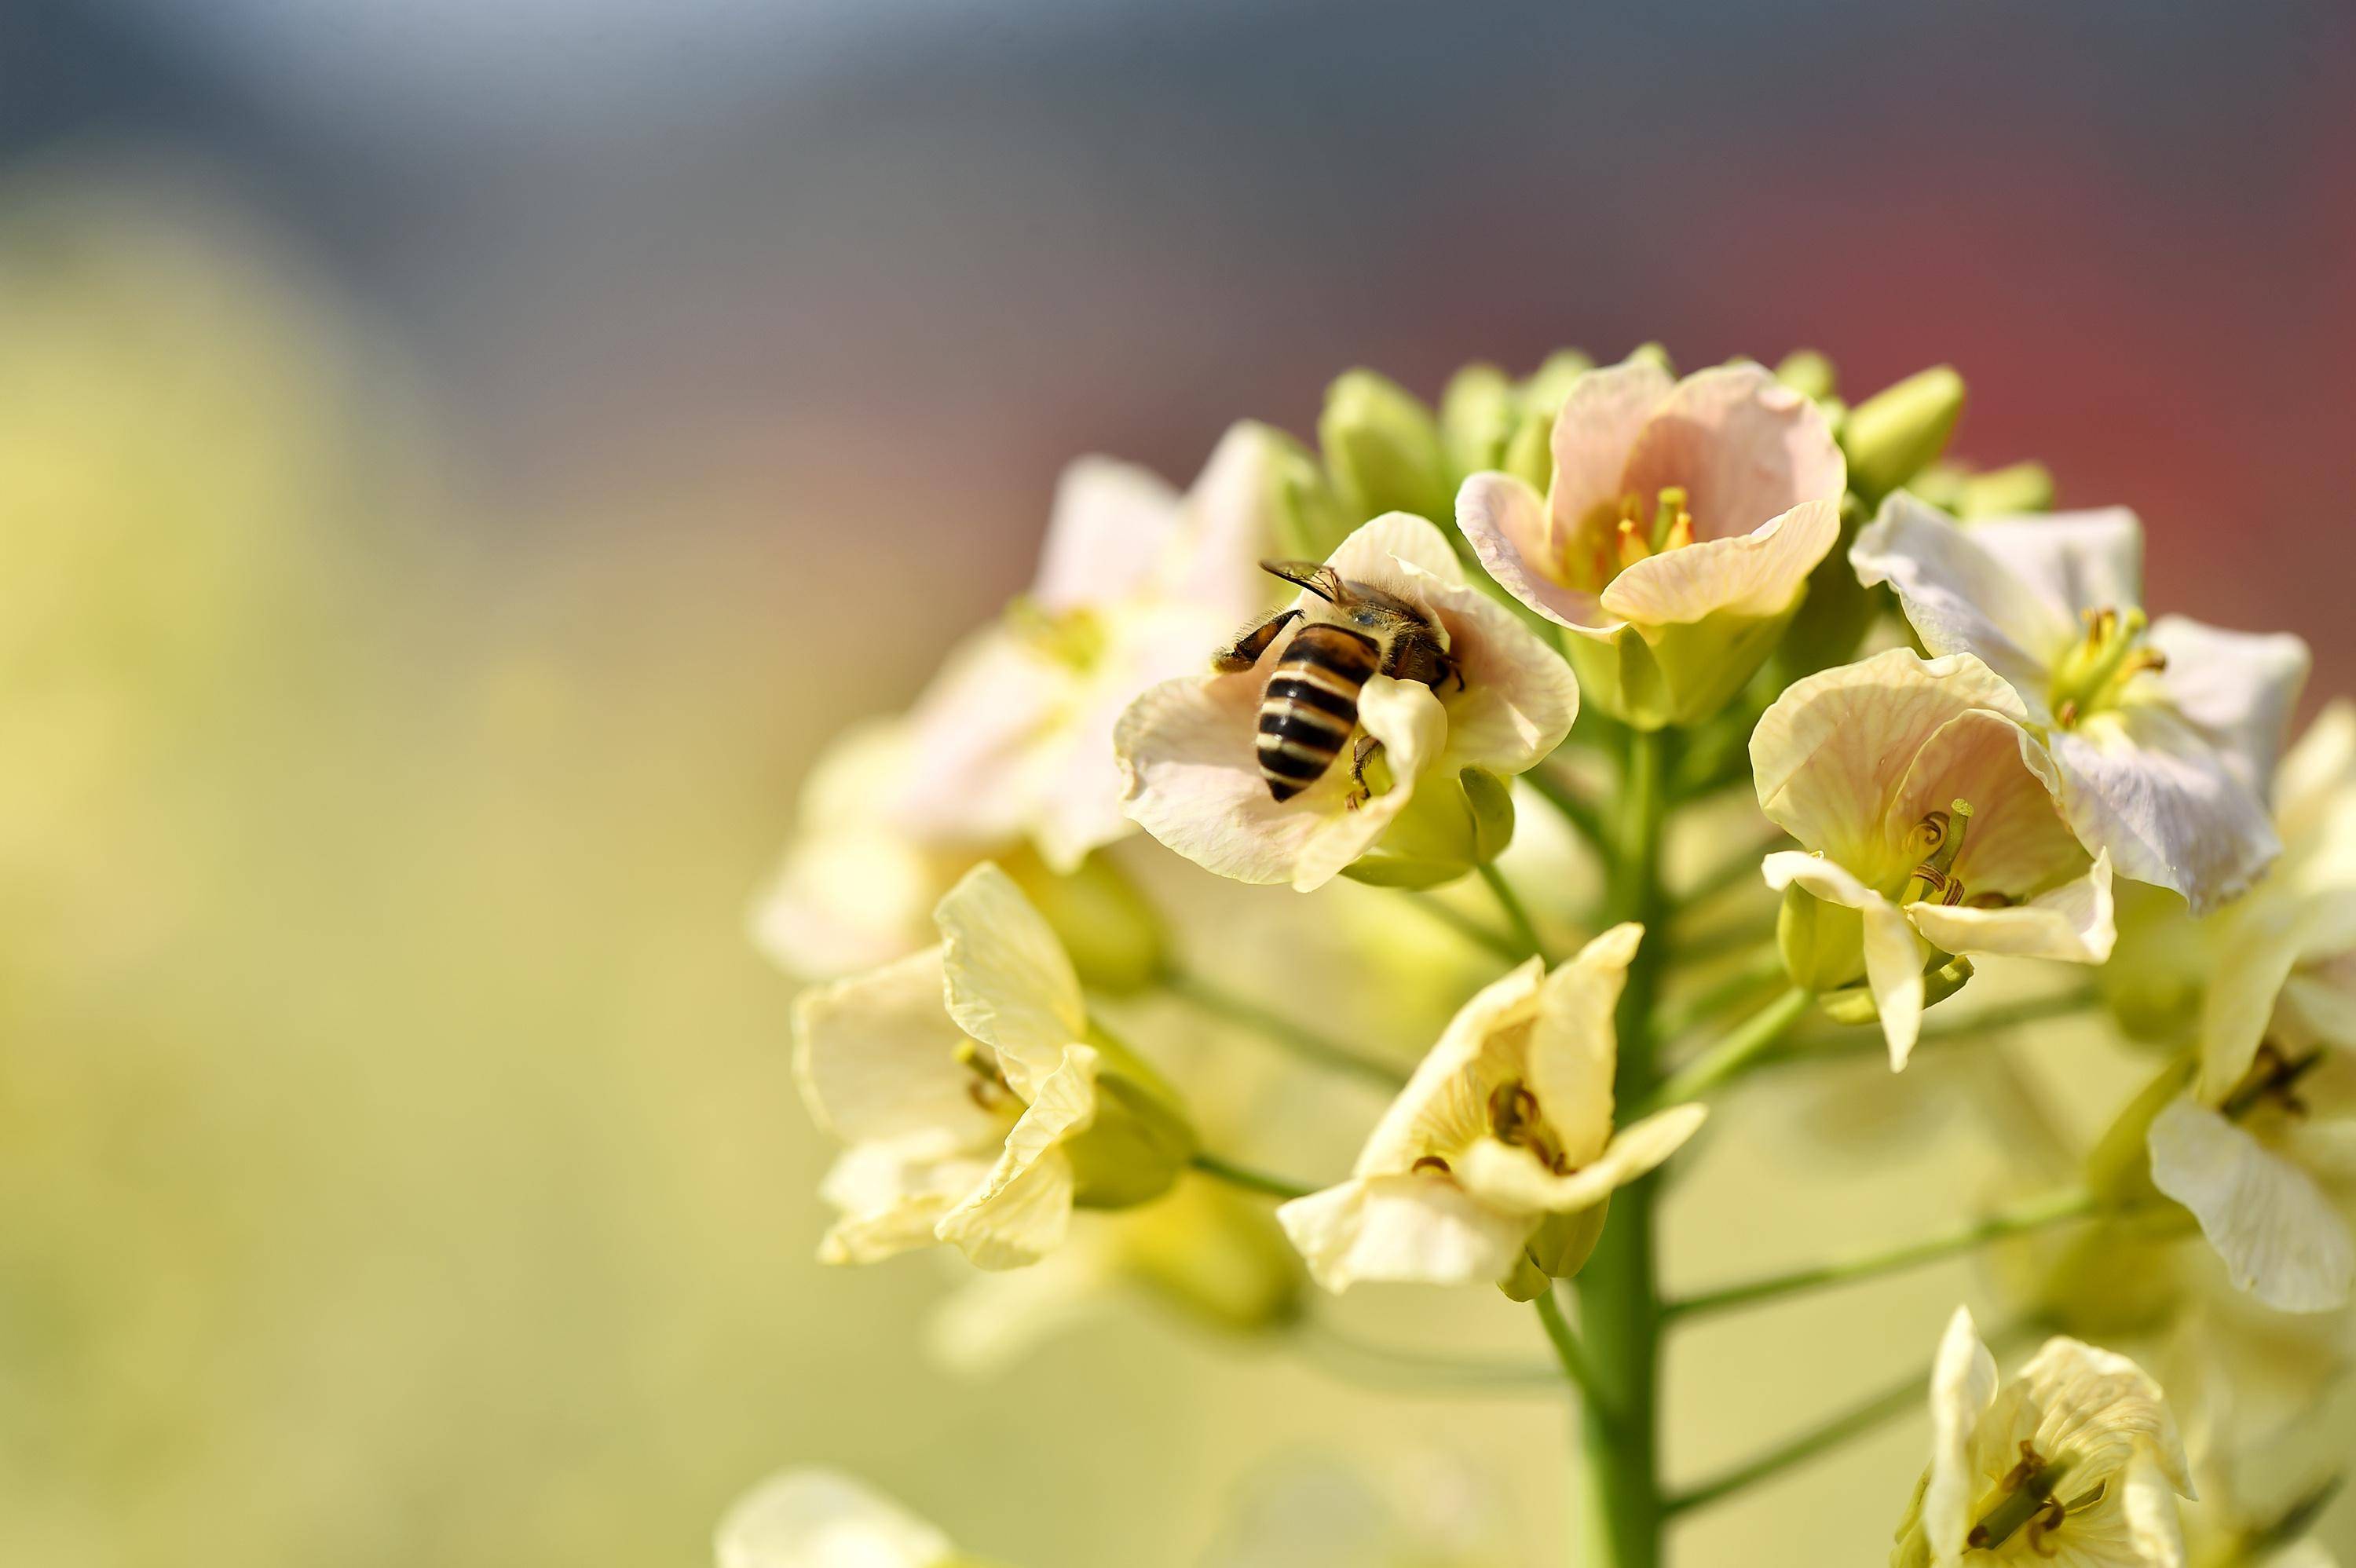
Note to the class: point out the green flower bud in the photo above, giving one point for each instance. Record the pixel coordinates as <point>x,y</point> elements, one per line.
<point>1549,384</point>
<point>1901,431</point>
<point>1823,945</point>
<point>1479,412</point>
<point>2007,491</point>
<point>1451,825</point>
<point>1309,519</point>
<point>1558,1249</point>
<point>1116,940</point>
<point>1855,1005</point>
<point>1680,673</point>
<point>1530,455</point>
<point>1217,1256</point>
<point>1140,1141</point>
<point>1383,449</point>
<point>1808,373</point>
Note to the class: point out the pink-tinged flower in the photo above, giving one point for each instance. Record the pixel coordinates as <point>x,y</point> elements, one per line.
<point>1190,752</point>
<point>2164,732</point>
<point>1927,809</point>
<point>1677,538</point>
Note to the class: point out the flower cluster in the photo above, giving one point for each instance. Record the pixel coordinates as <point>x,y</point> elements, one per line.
<point>1475,670</point>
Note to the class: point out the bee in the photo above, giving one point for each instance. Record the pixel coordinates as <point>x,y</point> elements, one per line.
<point>1310,707</point>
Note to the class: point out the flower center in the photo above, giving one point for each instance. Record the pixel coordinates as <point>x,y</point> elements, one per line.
<point>986,1087</point>
<point>1618,534</point>
<point>2023,1502</point>
<point>1514,1120</point>
<point>1933,844</point>
<point>2093,676</point>
<point>2273,1080</point>
<point>1073,638</point>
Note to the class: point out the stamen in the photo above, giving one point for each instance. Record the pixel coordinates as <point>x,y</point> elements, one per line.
<point>1431,1162</point>
<point>1633,547</point>
<point>1668,513</point>
<point>1943,832</point>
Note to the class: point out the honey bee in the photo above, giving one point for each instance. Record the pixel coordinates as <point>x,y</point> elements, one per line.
<point>1310,707</point>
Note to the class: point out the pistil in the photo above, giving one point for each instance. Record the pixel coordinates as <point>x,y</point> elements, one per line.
<point>2093,675</point>
<point>1937,839</point>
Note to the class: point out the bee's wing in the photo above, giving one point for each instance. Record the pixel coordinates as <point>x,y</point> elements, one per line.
<point>1313,575</point>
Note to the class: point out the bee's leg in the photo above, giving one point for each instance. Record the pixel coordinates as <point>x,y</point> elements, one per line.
<point>1244,651</point>
<point>1362,751</point>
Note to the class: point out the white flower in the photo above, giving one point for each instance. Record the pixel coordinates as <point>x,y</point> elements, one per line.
<point>823,1519</point>
<point>2164,734</point>
<point>2076,1461</point>
<point>1013,738</point>
<point>2261,1148</point>
<point>1189,746</point>
<point>1507,1122</point>
<point>1680,527</point>
<point>965,1124</point>
<point>1926,806</point>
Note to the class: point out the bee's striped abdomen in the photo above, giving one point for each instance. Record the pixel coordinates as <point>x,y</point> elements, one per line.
<point>1312,705</point>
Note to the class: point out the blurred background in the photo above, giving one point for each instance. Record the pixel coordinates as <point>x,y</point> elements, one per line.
<point>458,461</point>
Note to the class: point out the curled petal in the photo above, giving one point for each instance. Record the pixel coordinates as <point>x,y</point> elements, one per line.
<point>876,1057</point>
<point>1393,551</point>
<point>2236,687</point>
<point>1574,1047</point>
<point>1441,1104</point>
<point>1755,574</point>
<point>1962,1383</point>
<point>1893,957</point>
<point>1192,780</point>
<point>1506,522</point>
<point>1512,1179</point>
<point>2278,1232</point>
<point>1961,598</point>
<point>1008,980</point>
<point>2143,784</point>
<point>1024,1206</point>
<point>2101,1406</point>
<point>1519,697</point>
<point>1421,1227</point>
<point>1603,416</point>
<point>2256,952</point>
<point>2073,923</point>
<point>892,1194</point>
<point>1744,447</point>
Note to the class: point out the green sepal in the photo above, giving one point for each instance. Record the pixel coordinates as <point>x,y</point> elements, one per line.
<point>1901,431</point>
<point>1450,826</point>
<point>1652,678</point>
<point>1382,450</point>
<point>1141,1140</point>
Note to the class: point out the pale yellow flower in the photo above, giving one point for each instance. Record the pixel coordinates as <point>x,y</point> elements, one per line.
<point>823,1519</point>
<point>2076,1461</point>
<point>1677,535</point>
<point>1507,1123</point>
<point>1189,746</point>
<point>978,1102</point>
<point>2164,734</point>
<point>1927,807</point>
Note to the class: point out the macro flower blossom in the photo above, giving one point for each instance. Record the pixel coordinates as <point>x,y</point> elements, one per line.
<point>1677,535</point>
<point>1926,806</point>
<point>2165,733</point>
<point>824,1519</point>
<point>1190,747</point>
<point>978,1102</point>
<point>2075,1460</point>
<point>1505,1125</point>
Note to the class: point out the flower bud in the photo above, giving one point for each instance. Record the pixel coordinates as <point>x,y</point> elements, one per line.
<point>1899,430</point>
<point>1115,939</point>
<point>1529,451</point>
<point>1383,449</point>
<point>1808,373</point>
<point>1479,412</point>
<point>1217,1256</point>
<point>1679,673</point>
<point>1140,1141</point>
<point>2007,491</point>
<point>1823,945</point>
<point>1309,520</point>
<point>1549,384</point>
<point>1451,825</point>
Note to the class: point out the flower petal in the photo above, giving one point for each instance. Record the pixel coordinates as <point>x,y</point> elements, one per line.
<point>970,739</point>
<point>1229,524</point>
<point>1412,1229</point>
<point>1893,955</point>
<point>1744,447</point>
<point>891,1194</point>
<point>1510,1177</point>
<point>2236,687</point>
<point>2143,784</point>
<point>1382,551</point>
<point>1601,418</point>
<point>1962,598</point>
<point>876,1057</point>
<point>1755,574</point>
<point>1009,982</point>
<point>2256,944</point>
<point>1192,780</point>
<point>1574,1048</point>
<point>1519,695</point>
<point>2278,1235</point>
<point>2073,922</point>
<point>2077,560</point>
<point>1830,755</point>
<point>1112,525</point>
<point>1024,1208</point>
<point>823,1519</point>
<point>1506,522</point>
<point>1962,1383</point>
<point>1443,1104</point>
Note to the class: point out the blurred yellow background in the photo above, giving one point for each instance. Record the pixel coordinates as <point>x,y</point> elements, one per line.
<point>414,636</point>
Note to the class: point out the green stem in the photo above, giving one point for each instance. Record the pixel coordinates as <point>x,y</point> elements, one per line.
<point>1939,1030</point>
<point>1743,984</point>
<point>2054,1209</point>
<point>1517,916</point>
<point>1730,1058</point>
<point>1248,1178</point>
<point>1464,926</point>
<point>1305,1043</point>
<point>1584,819</point>
<point>1567,1351</point>
<point>1617,1502</point>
